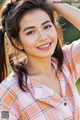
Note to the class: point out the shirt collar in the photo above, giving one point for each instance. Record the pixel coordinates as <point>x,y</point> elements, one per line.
<point>43,93</point>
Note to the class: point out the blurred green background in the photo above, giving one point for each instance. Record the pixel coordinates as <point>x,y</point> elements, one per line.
<point>70,32</point>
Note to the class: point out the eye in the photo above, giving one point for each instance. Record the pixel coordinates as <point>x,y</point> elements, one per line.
<point>47,26</point>
<point>30,32</point>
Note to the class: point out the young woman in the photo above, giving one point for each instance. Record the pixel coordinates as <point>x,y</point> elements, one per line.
<point>43,87</point>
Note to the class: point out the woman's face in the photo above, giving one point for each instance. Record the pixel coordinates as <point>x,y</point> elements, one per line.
<point>38,34</point>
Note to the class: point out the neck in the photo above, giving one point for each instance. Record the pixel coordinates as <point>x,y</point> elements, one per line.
<point>39,66</point>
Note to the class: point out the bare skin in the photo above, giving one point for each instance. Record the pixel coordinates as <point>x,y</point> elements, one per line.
<point>51,81</point>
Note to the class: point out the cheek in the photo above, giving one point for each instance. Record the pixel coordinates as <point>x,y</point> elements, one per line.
<point>26,45</point>
<point>53,34</point>
<point>26,41</point>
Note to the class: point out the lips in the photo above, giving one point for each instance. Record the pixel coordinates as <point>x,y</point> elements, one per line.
<point>44,45</point>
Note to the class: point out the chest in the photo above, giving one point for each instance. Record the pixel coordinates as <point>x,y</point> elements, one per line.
<point>54,84</point>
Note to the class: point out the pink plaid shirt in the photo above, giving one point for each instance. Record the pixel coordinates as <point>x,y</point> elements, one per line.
<point>41,102</point>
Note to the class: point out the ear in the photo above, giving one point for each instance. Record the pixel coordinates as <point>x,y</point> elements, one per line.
<point>17,44</point>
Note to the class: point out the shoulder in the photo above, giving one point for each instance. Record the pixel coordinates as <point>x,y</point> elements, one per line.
<point>9,81</point>
<point>9,86</point>
<point>71,49</point>
<point>75,44</point>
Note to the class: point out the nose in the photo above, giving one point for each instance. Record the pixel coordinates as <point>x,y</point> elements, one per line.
<point>42,36</point>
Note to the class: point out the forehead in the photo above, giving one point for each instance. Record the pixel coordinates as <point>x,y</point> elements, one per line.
<point>34,17</point>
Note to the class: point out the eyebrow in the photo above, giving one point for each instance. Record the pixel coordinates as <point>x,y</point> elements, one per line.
<point>27,28</point>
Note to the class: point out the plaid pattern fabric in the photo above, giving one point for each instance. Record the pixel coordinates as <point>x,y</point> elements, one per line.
<point>40,102</point>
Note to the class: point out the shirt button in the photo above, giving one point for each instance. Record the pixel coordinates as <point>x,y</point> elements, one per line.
<point>65,103</point>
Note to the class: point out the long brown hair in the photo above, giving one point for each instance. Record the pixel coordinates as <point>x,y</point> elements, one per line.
<point>11,16</point>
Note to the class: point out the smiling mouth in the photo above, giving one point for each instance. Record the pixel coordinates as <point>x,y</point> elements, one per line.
<point>44,46</point>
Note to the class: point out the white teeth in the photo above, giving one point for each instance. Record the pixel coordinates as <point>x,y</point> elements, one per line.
<point>44,46</point>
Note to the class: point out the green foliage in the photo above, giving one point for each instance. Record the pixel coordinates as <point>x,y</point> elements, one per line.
<point>78,85</point>
<point>1,1</point>
<point>70,32</point>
